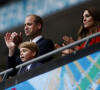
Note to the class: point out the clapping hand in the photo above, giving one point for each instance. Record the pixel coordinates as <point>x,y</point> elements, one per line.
<point>67,40</point>
<point>16,38</point>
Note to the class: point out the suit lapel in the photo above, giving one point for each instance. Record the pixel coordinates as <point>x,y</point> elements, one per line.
<point>41,39</point>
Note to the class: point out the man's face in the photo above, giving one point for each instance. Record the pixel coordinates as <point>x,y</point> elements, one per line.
<point>31,29</point>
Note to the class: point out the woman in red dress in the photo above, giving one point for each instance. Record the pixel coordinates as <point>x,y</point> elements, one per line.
<point>90,25</point>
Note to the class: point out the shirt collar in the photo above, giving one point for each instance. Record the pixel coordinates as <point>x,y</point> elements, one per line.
<point>28,67</point>
<point>36,39</point>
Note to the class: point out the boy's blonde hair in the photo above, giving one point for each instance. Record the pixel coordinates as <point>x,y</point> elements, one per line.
<point>30,45</point>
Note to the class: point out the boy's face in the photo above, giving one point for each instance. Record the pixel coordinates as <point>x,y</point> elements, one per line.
<point>26,54</point>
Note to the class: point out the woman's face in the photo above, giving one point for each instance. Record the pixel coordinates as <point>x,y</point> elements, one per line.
<point>88,21</point>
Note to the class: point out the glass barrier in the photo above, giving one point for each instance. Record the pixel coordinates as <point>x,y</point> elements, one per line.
<point>81,74</point>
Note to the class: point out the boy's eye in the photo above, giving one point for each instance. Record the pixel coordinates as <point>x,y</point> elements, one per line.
<point>24,50</point>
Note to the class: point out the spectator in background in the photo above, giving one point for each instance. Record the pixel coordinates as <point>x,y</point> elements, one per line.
<point>33,30</point>
<point>90,25</point>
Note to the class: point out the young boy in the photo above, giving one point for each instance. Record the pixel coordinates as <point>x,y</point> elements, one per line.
<point>28,51</point>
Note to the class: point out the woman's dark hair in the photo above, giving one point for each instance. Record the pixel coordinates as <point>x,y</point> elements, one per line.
<point>95,13</point>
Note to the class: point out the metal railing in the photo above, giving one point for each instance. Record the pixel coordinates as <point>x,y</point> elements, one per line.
<point>19,67</point>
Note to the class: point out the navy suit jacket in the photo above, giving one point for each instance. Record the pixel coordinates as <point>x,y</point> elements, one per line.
<point>33,65</point>
<point>13,64</point>
<point>45,46</point>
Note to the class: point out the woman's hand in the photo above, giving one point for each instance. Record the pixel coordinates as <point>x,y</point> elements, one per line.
<point>64,52</point>
<point>67,40</point>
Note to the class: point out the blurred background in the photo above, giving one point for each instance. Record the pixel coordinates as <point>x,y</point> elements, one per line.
<point>61,17</point>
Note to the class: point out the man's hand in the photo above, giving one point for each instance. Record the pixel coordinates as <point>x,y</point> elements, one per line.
<point>10,44</point>
<point>8,41</point>
<point>16,38</point>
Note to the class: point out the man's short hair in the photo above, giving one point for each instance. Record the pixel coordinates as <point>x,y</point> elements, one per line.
<point>38,19</point>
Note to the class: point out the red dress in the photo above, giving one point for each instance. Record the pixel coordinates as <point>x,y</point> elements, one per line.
<point>94,40</point>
